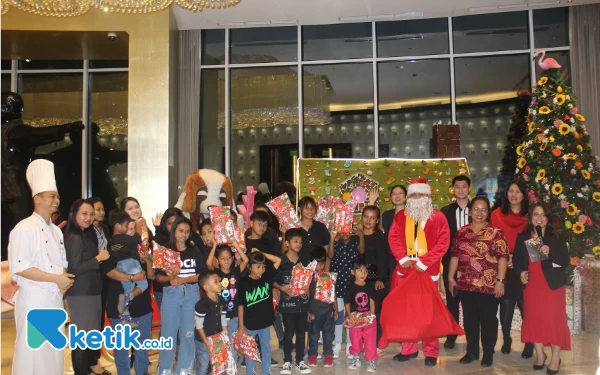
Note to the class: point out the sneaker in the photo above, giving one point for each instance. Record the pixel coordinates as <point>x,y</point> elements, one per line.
<point>380,353</point>
<point>355,364</point>
<point>243,364</point>
<point>319,356</point>
<point>286,369</point>
<point>312,360</point>
<point>372,366</point>
<point>350,356</point>
<point>328,361</point>
<point>337,347</point>
<point>303,368</point>
<point>274,363</point>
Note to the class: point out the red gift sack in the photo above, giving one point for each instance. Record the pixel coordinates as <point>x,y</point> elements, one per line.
<point>282,208</point>
<point>246,346</point>
<point>342,218</point>
<point>165,258</point>
<point>220,218</point>
<point>301,278</point>
<point>359,320</point>
<point>414,311</point>
<point>221,358</point>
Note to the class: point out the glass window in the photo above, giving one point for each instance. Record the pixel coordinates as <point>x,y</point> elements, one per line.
<point>6,64</point>
<point>108,115</point>
<point>336,42</point>
<point>486,93</point>
<point>413,95</point>
<point>212,120</point>
<point>338,111</point>
<point>50,64</point>
<point>563,58</point>
<point>412,38</point>
<point>213,47</point>
<point>264,44</point>
<point>264,125</point>
<point>551,27</point>
<point>490,32</point>
<point>57,99</point>
<point>105,64</point>
<point>5,82</point>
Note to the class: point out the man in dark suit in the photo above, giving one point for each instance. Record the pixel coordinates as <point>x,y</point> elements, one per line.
<point>457,214</point>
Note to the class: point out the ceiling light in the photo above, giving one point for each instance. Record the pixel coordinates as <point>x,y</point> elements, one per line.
<point>511,6</point>
<point>284,22</point>
<point>231,24</point>
<point>258,23</point>
<point>381,16</point>
<point>409,15</point>
<point>354,18</point>
<point>479,9</point>
<point>544,3</point>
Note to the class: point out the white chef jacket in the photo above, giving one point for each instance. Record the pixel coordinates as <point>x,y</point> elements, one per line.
<point>35,243</point>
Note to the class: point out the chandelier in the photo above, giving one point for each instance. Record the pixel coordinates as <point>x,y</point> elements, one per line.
<point>71,8</point>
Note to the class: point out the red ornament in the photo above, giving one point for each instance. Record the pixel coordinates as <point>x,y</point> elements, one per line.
<point>527,169</point>
<point>567,118</point>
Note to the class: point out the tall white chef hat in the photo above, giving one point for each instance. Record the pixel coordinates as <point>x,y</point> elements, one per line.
<point>40,176</point>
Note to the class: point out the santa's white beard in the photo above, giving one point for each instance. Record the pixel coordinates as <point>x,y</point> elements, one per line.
<point>419,209</point>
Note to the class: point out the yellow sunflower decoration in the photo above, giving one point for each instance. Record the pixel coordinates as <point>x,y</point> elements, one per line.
<point>585,174</point>
<point>557,189</point>
<point>578,228</point>
<point>522,163</point>
<point>572,209</point>
<point>531,126</point>
<point>571,156</point>
<point>544,110</point>
<point>560,99</point>
<point>520,150</point>
<point>552,139</point>
<point>541,173</point>
<point>579,117</point>
<point>596,196</point>
<point>596,250</point>
<point>542,81</point>
<point>564,129</point>
<point>543,146</point>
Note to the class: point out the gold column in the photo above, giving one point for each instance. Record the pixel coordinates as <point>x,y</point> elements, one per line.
<point>150,108</point>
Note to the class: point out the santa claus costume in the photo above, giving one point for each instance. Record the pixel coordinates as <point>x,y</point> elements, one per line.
<point>414,310</point>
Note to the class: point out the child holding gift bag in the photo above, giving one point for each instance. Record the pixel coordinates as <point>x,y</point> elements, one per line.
<point>360,298</point>
<point>314,233</point>
<point>293,309</point>
<point>255,307</point>
<point>210,318</point>
<point>321,314</point>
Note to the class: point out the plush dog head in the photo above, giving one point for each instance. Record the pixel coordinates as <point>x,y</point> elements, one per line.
<point>204,188</point>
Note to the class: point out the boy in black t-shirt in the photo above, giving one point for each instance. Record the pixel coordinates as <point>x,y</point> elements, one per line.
<point>293,309</point>
<point>210,318</point>
<point>255,307</point>
<point>360,298</point>
<point>321,315</point>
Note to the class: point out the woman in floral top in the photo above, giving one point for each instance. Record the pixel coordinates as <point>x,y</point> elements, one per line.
<point>480,255</point>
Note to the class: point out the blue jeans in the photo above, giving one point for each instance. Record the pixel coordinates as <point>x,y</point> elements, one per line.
<point>141,356</point>
<point>232,327</point>
<point>202,358</point>
<point>322,323</point>
<point>177,317</point>
<point>264,337</point>
<point>131,267</point>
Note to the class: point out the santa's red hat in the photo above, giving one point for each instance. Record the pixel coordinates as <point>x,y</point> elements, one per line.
<point>419,185</point>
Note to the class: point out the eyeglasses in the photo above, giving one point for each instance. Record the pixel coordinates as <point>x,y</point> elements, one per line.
<point>478,209</point>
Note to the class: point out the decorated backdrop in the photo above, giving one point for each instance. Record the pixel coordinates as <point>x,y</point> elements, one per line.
<point>354,179</point>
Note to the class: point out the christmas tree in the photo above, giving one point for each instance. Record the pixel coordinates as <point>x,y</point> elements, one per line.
<point>556,160</point>
<point>516,134</point>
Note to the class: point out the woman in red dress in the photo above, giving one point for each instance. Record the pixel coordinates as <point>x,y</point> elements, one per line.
<point>545,320</point>
<point>512,218</point>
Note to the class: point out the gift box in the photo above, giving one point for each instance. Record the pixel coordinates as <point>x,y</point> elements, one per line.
<point>342,218</point>
<point>284,211</point>
<point>325,215</point>
<point>240,238</point>
<point>301,279</point>
<point>224,228</point>
<point>221,358</point>
<point>165,258</point>
<point>246,346</point>
<point>144,247</point>
<point>359,320</point>
<point>325,286</point>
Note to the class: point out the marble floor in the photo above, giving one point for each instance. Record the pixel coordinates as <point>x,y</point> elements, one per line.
<point>583,359</point>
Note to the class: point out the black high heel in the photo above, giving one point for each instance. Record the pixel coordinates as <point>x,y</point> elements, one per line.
<point>540,367</point>
<point>554,372</point>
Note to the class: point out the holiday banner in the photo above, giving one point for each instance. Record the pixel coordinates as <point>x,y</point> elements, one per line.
<point>355,180</point>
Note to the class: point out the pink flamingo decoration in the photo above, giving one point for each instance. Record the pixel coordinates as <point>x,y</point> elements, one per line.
<point>548,63</point>
<point>248,207</point>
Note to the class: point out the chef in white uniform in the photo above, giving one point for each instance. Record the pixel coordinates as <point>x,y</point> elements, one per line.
<point>38,263</point>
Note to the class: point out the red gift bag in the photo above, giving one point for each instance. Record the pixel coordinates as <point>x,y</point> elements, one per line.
<point>246,346</point>
<point>284,211</point>
<point>165,258</point>
<point>301,278</point>
<point>221,358</point>
<point>342,218</point>
<point>414,311</point>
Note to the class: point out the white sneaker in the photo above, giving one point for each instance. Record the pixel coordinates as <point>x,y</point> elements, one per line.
<point>372,366</point>
<point>319,356</point>
<point>337,347</point>
<point>355,364</point>
<point>303,368</point>
<point>286,369</point>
